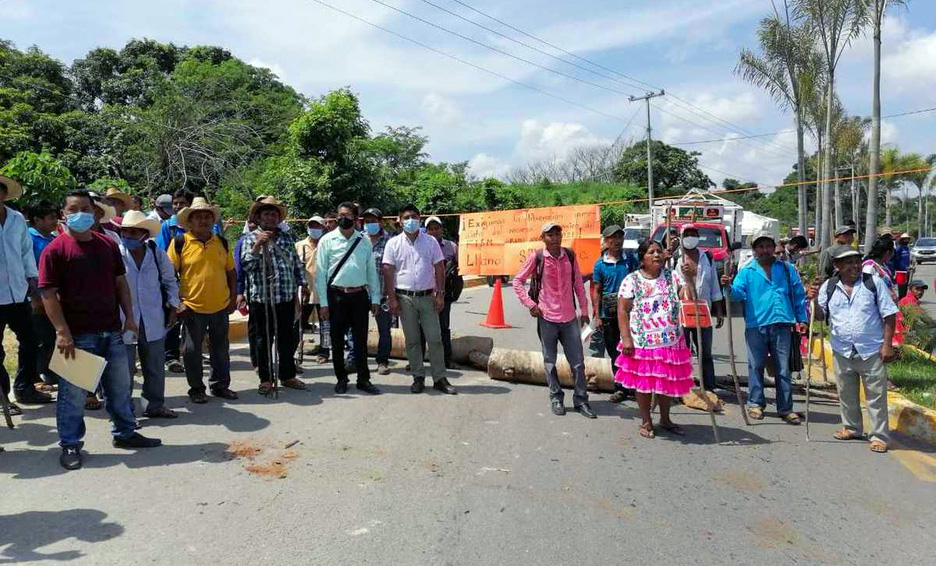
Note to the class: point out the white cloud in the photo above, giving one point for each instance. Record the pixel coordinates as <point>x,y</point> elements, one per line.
<point>483,166</point>
<point>440,110</point>
<point>277,70</point>
<point>555,139</point>
<point>912,60</point>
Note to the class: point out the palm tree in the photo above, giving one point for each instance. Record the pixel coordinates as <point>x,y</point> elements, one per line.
<point>836,22</point>
<point>876,9</point>
<point>849,136</point>
<point>814,109</point>
<point>890,163</point>
<point>915,162</point>
<point>782,69</point>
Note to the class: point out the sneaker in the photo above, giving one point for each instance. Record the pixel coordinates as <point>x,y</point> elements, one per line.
<point>175,366</point>
<point>136,441</point>
<point>383,369</point>
<point>70,458</point>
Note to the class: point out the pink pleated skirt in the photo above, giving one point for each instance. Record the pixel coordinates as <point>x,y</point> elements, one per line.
<point>664,371</point>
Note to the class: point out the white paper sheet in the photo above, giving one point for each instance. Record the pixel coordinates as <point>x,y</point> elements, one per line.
<point>83,371</point>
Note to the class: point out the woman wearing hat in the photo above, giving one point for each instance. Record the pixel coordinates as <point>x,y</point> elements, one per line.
<point>153,289</point>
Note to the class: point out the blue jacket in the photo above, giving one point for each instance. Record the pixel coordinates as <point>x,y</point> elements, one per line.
<point>901,259</point>
<point>768,302</point>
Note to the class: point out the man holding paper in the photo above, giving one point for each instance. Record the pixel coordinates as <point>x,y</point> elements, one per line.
<point>81,276</point>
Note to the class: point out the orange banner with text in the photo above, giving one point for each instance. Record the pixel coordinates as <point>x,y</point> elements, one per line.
<point>498,242</point>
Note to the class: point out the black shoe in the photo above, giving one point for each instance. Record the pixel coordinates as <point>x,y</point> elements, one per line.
<point>558,408</point>
<point>418,385</point>
<point>341,387</point>
<point>70,458</point>
<point>618,397</point>
<point>444,386</point>
<point>198,397</point>
<point>368,387</point>
<point>586,411</point>
<point>33,398</point>
<point>136,441</point>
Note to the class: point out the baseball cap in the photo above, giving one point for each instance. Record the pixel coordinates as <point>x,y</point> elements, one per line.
<point>318,219</point>
<point>432,219</point>
<point>610,231</point>
<point>689,226</point>
<point>844,230</point>
<point>841,252</point>
<point>549,226</point>
<point>918,283</point>
<point>164,201</point>
<point>761,235</point>
<point>373,211</point>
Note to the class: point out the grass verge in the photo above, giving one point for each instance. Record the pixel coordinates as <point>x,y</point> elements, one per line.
<point>915,375</point>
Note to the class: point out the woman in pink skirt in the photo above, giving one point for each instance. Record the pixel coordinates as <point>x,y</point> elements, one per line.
<point>654,358</point>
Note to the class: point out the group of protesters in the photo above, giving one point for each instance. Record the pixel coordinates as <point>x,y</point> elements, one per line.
<point>97,273</point>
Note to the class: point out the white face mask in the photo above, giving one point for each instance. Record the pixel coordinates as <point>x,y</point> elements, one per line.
<point>690,242</point>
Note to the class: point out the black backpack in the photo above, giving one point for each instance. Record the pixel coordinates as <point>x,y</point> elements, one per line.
<point>866,278</point>
<point>536,284</point>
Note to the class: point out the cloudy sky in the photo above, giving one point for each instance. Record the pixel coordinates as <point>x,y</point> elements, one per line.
<point>469,108</point>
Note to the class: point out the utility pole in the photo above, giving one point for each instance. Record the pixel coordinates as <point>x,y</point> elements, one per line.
<point>647,98</point>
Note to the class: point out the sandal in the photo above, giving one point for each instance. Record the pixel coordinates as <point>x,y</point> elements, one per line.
<point>46,387</point>
<point>846,434</point>
<point>755,413</point>
<point>647,431</point>
<point>791,418</point>
<point>891,387</point>
<point>15,411</point>
<point>878,447</point>
<point>92,403</point>
<point>224,393</point>
<point>265,389</point>
<point>673,428</point>
<point>293,383</point>
<point>160,413</point>
<point>321,360</point>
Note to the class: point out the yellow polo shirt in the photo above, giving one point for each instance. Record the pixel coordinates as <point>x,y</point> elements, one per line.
<point>203,284</point>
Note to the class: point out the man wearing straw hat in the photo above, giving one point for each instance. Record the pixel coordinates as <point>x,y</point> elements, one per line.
<point>274,276</point>
<point>154,292</point>
<point>81,275</point>
<point>208,291</point>
<point>18,276</point>
<point>120,202</point>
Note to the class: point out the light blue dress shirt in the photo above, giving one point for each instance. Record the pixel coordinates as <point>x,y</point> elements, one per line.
<point>358,271</point>
<point>857,322</point>
<point>17,260</point>
<point>147,284</point>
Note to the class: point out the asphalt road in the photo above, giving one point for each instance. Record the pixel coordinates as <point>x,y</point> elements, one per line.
<point>485,477</point>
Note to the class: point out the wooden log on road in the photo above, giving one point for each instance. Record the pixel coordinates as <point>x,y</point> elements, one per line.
<point>522,366</point>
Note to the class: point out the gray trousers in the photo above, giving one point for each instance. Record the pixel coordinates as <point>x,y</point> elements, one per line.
<point>194,328</point>
<point>153,366</point>
<point>419,313</point>
<point>849,372</point>
<point>551,334</point>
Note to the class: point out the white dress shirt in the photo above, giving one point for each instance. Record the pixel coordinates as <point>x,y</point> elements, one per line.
<point>148,282</point>
<point>17,261</point>
<point>414,261</point>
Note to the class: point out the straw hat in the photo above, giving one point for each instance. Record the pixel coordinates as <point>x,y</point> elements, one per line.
<point>110,212</point>
<point>262,202</point>
<point>119,195</point>
<point>198,203</point>
<point>14,189</point>
<point>137,219</point>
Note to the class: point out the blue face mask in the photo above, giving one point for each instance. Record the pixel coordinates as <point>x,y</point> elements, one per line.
<point>79,222</point>
<point>372,228</point>
<point>411,225</point>
<point>131,244</point>
<point>314,233</point>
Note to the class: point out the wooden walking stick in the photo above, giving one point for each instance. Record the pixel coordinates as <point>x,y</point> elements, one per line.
<point>729,267</point>
<point>812,319</point>
<point>6,410</point>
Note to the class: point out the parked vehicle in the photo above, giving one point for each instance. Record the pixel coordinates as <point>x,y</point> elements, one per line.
<point>924,250</point>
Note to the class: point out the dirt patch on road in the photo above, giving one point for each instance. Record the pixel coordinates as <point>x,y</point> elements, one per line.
<point>740,481</point>
<point>274,466</point>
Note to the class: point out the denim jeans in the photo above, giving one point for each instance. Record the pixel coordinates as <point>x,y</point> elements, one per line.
<point>384,321</point>
<point>776,339</point>
<point>153,365</point>
<point>115,382</point>
<point>704,353</point>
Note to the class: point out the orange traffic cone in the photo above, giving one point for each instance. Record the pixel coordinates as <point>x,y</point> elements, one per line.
<point>495,316</point>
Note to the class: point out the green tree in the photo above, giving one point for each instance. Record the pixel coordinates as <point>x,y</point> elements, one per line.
<point>675,170</point>
<point>42,176</point>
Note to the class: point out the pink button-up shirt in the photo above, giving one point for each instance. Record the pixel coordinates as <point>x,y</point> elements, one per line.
<point>555,298</point>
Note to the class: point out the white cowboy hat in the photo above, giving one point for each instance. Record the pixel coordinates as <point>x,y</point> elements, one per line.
<point>110,212</point>
<point>137,219</point>
<point>14,189</point>
<point>119,195</point>
<point>267,201</point>
<point>198,203</point>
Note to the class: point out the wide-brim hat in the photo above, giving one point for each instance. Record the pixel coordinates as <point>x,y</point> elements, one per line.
<point>121,196</point>
<point>14,189</point>
<point>137,219</point>
<point>109,211</point>
<point>905,236</point>
<point>198,204</point>
<point>263,202</point>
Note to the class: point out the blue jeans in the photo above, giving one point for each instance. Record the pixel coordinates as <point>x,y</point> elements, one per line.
<point>153,367</point>
<point>776,339</point>
<point>115,381</point>
<point>384,321</point>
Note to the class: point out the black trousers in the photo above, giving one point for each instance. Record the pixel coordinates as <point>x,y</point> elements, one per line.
<point>282,331</point>
<point>18,316</point>
<point>45,346</point>
<point>174,342</point>
<point>349,311</point>
<point>611,333</point>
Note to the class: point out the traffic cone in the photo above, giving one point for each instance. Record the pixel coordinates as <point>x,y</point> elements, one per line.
<point>495,316</point>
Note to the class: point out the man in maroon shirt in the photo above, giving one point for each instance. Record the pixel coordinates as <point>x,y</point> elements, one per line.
<point>81,276</point>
